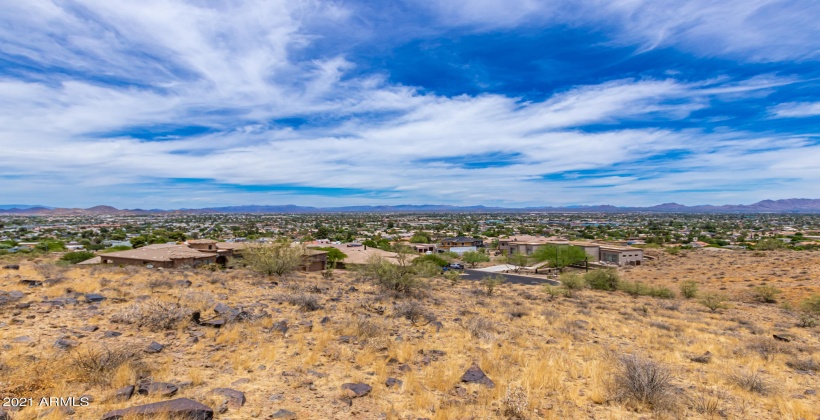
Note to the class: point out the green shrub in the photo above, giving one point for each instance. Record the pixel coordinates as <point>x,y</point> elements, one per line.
<point>689,289</point>
<point>603,279</point>
<point>639,289</point>
<point>662,292</point>
<point>77,257</point>
<point>441,262</point>
<point>766,294</point>
<point>713,301</point>
<point>491,282</point>
<point>572,281</point>
<point>811,304</point>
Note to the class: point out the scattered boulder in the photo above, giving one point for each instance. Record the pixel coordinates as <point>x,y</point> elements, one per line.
<point>125,393</point>
<point>94,298</point>
<point>12,267</point>
<point>5,416</point>
<point>782,337</point>
<point>111,334</point>
<point>283,414</point>
<point>214,323</point>
<point>236,399</point>
<point>393,382</point>
<point>281,326</point>
<point>324,320</point>
<point>475,375</point>
<point>16,295</point>
<point>65,344</point>
<point>180,408</point>
<point>23,339</point>
<point>154,347</point>
<point>357,390</point>
<point>89,328</point>
<point>32,283</point>
<point>223,309</point>
<point>183,283</point>
<point>163,389</point>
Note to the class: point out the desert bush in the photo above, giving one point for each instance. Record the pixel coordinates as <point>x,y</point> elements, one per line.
<point>602,279</point>
<point>644,381</point>
<point>412,311</point>
<point>154,314</point>
<point>491,282</point>
<point>552,291</point>
<point>765,294</point>
<point>97,365</point>
<point>752,381</point>
<point>639,289</point>
<point>706,404</point>
<point>572,281</point>
<point>806,320</point>
<point>399,278</point>
<point>305,302</point>
<point>713,301</point>
<point>808,365</point>
<point>365,328</point>
<point>156,284</point>
<point>689,289</point>
<point>453,276</point>
<point>480,327</point>
<point>277,259</point>
<point>765,347</point>
<point>516,404</point>
<point>811,304</point>
<point>77,257</point>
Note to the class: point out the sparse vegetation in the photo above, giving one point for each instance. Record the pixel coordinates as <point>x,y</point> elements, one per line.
<point>77,257</point>
<point>689,289</point>
<point>766,294</point>
<point>277,259</point>
<point>153,314</point>
<point>606,279</point>
<point>643,381</point>
<point>713,301</point>
<point>491,282</point>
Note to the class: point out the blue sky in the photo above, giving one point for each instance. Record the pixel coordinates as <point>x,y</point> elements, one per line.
<point>172,104</point>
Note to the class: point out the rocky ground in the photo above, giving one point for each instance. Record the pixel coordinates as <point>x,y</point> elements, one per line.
<point>309,347</point>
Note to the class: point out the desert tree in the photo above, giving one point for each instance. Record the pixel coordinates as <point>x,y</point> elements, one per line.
<point>278,258</point>
<point>559,256</point>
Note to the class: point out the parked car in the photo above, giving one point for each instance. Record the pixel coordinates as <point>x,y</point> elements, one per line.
<point>456,266</point>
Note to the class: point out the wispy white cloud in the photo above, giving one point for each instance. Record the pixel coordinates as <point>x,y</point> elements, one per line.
<point>755,30</point>
<point>795,110</point>
<point>101,71</point>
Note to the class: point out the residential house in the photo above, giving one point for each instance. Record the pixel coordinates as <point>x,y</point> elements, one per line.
<point>460,244</point>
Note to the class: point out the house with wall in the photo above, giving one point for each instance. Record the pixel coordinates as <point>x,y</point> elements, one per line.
<point>460,244</point>
<point>161,256</point>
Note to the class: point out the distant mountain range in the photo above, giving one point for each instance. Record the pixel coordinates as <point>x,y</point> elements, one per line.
<point>792,205</point>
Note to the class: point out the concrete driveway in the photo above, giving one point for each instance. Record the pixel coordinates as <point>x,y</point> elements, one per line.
<point>477,275</point>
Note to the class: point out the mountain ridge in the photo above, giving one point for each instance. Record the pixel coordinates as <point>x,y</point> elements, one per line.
<point>791,205</point>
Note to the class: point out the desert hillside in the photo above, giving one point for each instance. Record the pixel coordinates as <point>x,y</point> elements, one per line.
<point>308,346</point>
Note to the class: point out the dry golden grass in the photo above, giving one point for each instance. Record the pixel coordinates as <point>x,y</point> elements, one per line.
<point>549,358</point>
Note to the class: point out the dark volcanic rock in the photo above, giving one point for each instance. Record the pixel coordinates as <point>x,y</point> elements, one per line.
<point>358,390</point>
<point>391,382</point>
<point>32,283</point>
<point>110,334</point>
<point>94,297</point>
<point>236,399</point>
<point>180,409</point>
<point>214,323</point>
<point>11,267</point>
<point>89,328</point>
<point>163,389</point>
<point>283,414</point>
<point>475,375</point>
<point>124,393</point>
<point>154,347</point>
<point>65,344</point>
<point>281,326</point>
